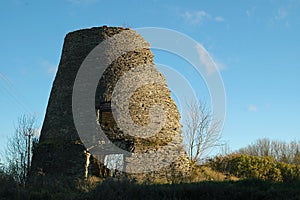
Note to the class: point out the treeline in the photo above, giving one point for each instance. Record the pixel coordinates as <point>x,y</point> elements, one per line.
<point>279,150</point>
<point>265,159</point>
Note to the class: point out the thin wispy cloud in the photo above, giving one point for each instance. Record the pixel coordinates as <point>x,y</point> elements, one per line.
<point>219,19</point>
<point>195,17</point>
<point>81,1</point>
<point>198,17</point>
<point>281,17</point>
<point>281,14</point>
<point>249,12</point>
<point>52,70</point>
<point>252,108</point>
<point>50,67</point>
<point>220,66</point>
<point>211,66</point>
<point>285,12</point>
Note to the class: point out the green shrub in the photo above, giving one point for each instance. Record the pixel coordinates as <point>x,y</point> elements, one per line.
<point>255,167</point>
<point>289,172</point>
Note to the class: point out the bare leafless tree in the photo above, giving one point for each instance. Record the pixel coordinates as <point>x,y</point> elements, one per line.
<point>19,147</point>
<point>225,149</point>
<point>1,167</point>
<point>201,131</point>
<point>281,151</point>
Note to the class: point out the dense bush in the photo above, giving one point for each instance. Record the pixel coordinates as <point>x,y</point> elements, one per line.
<point>289,172</point>
<point>264,168</point>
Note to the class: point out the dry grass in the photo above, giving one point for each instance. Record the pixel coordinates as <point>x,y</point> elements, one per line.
<point>205,173</point>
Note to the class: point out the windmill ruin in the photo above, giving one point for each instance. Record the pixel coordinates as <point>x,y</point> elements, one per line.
<point>61,153</point>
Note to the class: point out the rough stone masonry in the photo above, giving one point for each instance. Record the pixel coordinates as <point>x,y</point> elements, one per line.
<point>61,153</point>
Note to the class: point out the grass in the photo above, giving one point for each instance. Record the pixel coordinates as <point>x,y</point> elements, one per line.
<point>203,173</point>
<point>204,183</point>
<point>112,189</point>
<point>245,189</point>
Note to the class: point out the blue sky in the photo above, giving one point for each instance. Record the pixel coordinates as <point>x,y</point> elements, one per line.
<point>254,43</point>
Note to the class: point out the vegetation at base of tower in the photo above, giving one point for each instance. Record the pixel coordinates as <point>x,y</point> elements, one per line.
<point>233,176</point>
<point>263,170</point>
<point>114,189</point>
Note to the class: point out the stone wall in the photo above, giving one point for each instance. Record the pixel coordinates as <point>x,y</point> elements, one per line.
<point>60,151</point>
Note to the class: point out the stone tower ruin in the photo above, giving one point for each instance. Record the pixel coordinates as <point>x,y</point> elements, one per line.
<point>61,153</point>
